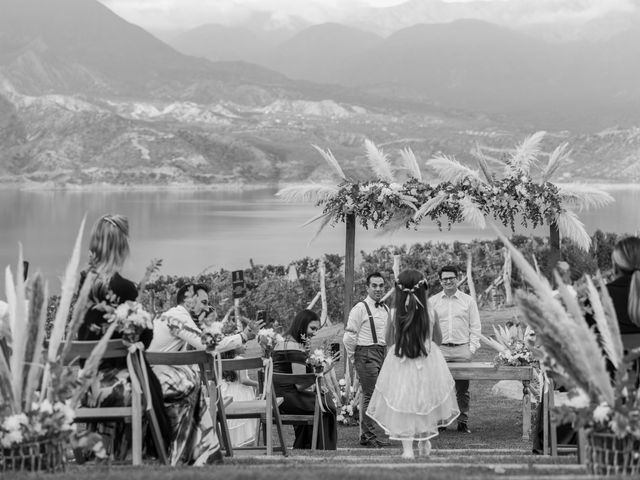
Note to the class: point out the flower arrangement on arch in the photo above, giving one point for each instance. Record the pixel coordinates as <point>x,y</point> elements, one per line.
<point>513,344</point>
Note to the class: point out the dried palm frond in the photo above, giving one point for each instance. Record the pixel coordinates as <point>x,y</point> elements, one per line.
<point>411,162</point>
<point>525,155</point>
<point>571,344</point>
<point>310,192</point>
<point>485,170</point>
<point>10,292</point>
<point>36,327</point>
<point>68,288</point>
<point>379,162</point>
<point>20,335</point>
<point>583,197</point>
<point>91,365</point>
<point>471,213</point>
<point>497,346</point>
<point>571,227</point>
<point>331,160</point>
<point>431,205</point>
<point>325,219</point>
<point>608,327</point>
<point>6,388</point>
<point>451,170</point>
<point>559,155</point>
<point>609,309</point>
<point>79,311</point>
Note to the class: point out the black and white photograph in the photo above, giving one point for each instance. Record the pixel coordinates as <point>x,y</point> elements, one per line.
<point>283,239</point>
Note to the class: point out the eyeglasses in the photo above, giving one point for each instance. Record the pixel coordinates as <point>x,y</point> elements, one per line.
<point>448,280</point>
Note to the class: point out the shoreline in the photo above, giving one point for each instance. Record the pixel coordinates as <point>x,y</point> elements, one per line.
<point>217,187</point>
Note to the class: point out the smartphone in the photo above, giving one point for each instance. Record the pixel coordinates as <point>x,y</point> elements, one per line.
<point>262,315</point>
<point>335,351</point>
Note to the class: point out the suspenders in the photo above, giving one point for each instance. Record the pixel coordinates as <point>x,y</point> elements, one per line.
<point>374,335</point>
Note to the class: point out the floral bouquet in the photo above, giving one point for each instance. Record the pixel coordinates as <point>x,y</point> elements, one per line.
<point>131,319</point>
<point>268,339</point>
<point>211,335</point>
<point>319,360</point>
<point>513,344</point>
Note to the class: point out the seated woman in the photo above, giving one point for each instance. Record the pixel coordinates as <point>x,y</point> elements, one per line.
<point>238,385</point>
<point>290,357</point>
<point>108,250</point>
<point>193,435</point>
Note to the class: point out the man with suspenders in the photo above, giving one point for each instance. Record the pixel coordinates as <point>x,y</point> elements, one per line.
<point>364,342</point>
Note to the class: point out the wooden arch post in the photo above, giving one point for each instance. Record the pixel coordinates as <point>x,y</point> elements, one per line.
<point>349,264</point>
<point>554,245</point>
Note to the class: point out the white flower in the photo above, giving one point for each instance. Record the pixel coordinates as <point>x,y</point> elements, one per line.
<point>13,422</point>
<point>342,382</point>
<point>581,400</point>
<point>10,438</point>
<point>601,413</point>
<point>46,407</point>
<point>340,418</point>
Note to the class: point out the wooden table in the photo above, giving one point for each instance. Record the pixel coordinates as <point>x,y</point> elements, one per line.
<point>487,371</point>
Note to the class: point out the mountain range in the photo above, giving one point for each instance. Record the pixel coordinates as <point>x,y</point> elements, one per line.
<point>86,97</point>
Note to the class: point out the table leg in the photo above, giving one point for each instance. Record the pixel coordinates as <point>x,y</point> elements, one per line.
<point>526,410</point>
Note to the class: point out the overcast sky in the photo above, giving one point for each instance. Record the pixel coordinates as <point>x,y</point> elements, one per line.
<point>181,14</point>
<point>159,15</point>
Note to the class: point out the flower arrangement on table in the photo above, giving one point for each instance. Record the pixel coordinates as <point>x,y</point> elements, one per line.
<point>582,346</point>
<point>514,345</point>
<point>268,338</point>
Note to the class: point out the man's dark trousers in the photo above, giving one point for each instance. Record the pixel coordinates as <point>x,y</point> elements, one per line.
<point>368,362</point>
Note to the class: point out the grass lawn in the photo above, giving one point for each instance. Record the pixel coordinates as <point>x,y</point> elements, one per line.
<point>494,449</point>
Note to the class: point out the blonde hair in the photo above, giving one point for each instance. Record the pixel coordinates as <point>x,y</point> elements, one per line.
<point>626,259</point>
<point>108,247</point>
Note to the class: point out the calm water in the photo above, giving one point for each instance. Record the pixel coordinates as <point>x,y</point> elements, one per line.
<point>195,230</point>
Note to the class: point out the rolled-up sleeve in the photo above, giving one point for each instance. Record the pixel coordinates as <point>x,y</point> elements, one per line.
<point>350,338</point>
<point>475,329</point>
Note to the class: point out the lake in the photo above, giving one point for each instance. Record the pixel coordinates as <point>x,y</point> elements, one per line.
<point>194,230</point>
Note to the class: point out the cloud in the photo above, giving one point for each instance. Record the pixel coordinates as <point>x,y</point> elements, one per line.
<point>184,14</point>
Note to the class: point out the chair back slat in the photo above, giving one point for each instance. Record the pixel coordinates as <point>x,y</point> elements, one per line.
<point>252,363</point>
<point>191,357</point>
<point>290,356</point>
<point>82,350</point>
<point>304,380</point>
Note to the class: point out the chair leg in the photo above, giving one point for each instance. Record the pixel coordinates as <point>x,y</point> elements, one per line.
<point>278,422</point>
<point>221,420</point>
<point>157,437</point>
<point>136,428</point>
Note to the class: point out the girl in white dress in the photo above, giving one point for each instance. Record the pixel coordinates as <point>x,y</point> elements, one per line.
<point>239,386</point>
<point>415,392</point>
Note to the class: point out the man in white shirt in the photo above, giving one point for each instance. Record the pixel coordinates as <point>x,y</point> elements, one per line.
<point>193,300</point>
<point>364,342</point>
<point>460,324</point>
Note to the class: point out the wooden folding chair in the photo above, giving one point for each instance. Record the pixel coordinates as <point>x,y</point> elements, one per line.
<point>203,360</point>
<point>300,380</point>
<point>265,409</point>
<point>81,350</point>
<point>550,444</point>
